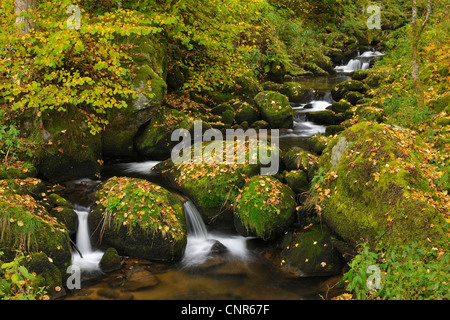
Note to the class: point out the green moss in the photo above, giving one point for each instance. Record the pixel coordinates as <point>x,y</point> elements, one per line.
<point>265,207</point>
<point>376,184</point>
<point>213,186</point>
<point>139,219</point>
<point>110,260</point>
<point>275,109</point>
<point>246,112</point>
<point>154,141</point>
<point>297,180</point>
<point>25,225</point>
<point>47,274</point>
<point>342,88</point>
<point>310,252</point>
<point>294,91</point>
<point>297,159</point>
<point>68,150</point>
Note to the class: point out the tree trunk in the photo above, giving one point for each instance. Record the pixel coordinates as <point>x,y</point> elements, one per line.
<point>416,32</point>
<point>24,23</point>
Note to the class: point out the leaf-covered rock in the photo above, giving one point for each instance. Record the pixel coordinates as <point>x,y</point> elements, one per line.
<point>378,180</point>
<point>265,208</point>
<point>342,88</point>
<point>27,226</point>
<point>310,252</point>
<point>139,219</point>
<point>154,140</point>
<point>210,181</point>
<point>275,109</point>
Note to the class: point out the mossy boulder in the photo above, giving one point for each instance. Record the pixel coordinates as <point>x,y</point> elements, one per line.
<point>334,129</point>
<point>265,208</point>
<point>310,252</point>
<point>245,112</point>
<point>150,59</point>
<point>353,97</point>
<point>338,92</point>
<point>139,219</point>
<point>317,143</point>
<point>228,117</point>
<point>28,227</point>
<point>154,140</point>
<point>110,260</point>
<point>370,113</point>
<point>340,106</point>
<point>294,91</point>
<point>297,180</point>
<point>64,211</point>
<point>359,74</point>
<point>18,170</point>
<point>274,107</point>
<point>68,150</point>
<point>211,181</point>
<point>298,159</point>
<point>325,117</point>
<point>47,274</point>
<point>260,124</point>
<point>377,182</point>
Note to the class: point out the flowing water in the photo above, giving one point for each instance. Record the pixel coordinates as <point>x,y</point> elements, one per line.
<point>84,257</point>
<point>200,242</point>
<point>361,61</point>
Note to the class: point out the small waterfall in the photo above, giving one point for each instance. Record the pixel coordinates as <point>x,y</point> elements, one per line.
<point>361,61</point>
<point>200,241</point>
<point>196,226</point>
<point>83,240</point>
<point>89,259</point>
<point>144,168</point>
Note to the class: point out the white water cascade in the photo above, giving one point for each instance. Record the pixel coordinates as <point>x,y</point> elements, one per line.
<point>89,259</point>
<point>144,168</point>
<point>200,241</point>
<point>361,61</point>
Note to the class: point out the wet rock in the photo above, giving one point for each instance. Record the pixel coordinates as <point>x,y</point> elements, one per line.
<point>310,252</point>
<point>140,279</point>
<point>297,180</point>
<point>110,260</point>
<point>218,248</point>
<point>325,117</point>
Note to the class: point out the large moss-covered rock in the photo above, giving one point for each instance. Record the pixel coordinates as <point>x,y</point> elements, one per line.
<point>139,219</point>
<point>298,159</point>
<point>28,227</point>
<point>297,180</point>
<point>339,91</point>
<point>265,208</point>
<point>294,91</point>
<point>154,140</point>
<point>310,252</point>
<point>245,112</point>
<point>68,150</point>
<point>150,59</point>
<point>325,117</point>
<point>275,109</point>
<point>47,274</point>
<point>64,211</point>
<point>210,181</point>
<point>377,181</point>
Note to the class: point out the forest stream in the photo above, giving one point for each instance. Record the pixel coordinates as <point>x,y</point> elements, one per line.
<point>217,264</point>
